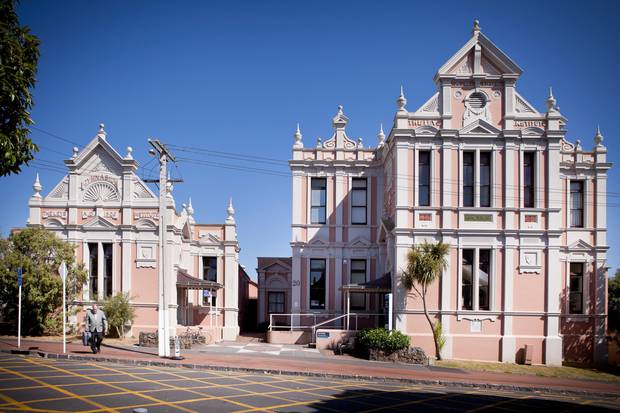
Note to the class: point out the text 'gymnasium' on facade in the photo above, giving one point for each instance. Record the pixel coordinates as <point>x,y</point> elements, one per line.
<point>479,168</point>
<point>112,217</point>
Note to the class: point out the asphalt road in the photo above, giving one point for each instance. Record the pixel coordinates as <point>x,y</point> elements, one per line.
<point>46,385</point>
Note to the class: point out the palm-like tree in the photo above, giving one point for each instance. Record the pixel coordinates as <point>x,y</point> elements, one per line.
<point>424,264</point>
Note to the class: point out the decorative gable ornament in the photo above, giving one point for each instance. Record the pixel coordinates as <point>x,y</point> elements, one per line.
<point>339,139</point>
<point>479,56</point>
<point>60,191</point>
<point>480,126</point>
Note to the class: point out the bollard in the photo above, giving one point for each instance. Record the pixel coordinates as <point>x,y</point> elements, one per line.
<point>140,410</point>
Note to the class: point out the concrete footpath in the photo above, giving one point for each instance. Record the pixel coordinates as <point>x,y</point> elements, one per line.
<point>338,367</point>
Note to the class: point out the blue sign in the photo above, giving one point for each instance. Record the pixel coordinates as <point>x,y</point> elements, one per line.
<point>322,334</point>
<point>19,276</point>
<point>206,293</point>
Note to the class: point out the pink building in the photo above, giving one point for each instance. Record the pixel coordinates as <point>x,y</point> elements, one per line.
<point>112,217</point>
<point>480,168</point>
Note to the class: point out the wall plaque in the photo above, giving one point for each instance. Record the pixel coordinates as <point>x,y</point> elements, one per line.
<point>478,218</point>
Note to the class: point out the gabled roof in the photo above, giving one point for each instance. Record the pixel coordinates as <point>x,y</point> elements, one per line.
<point>480,47</point>
<point>98,141</point>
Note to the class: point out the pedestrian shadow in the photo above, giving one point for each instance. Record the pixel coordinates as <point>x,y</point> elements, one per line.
<point>358,400</point>
<point>129,349</point>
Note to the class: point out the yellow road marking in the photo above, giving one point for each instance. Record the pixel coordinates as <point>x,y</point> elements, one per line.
<point>114,387</point>
<point>51,386</point>
<point>171,388</point>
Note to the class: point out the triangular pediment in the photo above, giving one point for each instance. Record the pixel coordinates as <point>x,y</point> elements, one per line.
<point>98,223</point>
<point>479,56</point>
<point>100,160</point>
<point>580,245</point>
<point>431,106</point>
<point>480,126</point>
<point>317,243</point>
<point>141,190</point>
<point>60,191</point>
<point>359,242</point>
<point>276,267</point>
<point>208,238</point>
<point>523,107</point>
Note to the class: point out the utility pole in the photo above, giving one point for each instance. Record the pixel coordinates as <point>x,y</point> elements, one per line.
<point>164,154</point>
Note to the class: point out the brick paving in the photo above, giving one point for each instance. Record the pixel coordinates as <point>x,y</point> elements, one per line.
<point>335,367</point>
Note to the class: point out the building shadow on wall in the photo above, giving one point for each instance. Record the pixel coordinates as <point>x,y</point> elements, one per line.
<point>356,400</point>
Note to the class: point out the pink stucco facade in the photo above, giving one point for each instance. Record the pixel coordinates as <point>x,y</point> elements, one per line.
<point>481,169</point>
<point>112,217</point>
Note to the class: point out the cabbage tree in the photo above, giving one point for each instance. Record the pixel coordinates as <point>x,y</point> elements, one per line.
<point>424,264</point>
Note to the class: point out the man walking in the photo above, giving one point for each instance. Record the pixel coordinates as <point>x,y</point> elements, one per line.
<point>97,324</point>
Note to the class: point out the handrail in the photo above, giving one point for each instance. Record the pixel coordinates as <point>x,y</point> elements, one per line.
<point>347,315</point>
<point>292,326</point>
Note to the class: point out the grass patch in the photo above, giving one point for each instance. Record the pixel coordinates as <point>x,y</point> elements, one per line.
<point>611,373</point>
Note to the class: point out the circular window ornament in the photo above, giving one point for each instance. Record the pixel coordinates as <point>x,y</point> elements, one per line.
<point>476,101</point>
<point>476,106</point>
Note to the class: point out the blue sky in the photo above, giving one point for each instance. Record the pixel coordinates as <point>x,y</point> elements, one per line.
<point>237,77</point>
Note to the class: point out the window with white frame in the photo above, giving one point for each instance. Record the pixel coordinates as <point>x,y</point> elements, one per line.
<point>359,200</point>
<point>358,276</point>
<point>529,183</point>
<point>576,204</point>
<point>317,284</point>
<point>575,288</point>
<point>318,199</point>
<point>476,279</point>
<point>468,178</point>
<point>485,179</point>
<point>107,269</point>
<point>424,178</point>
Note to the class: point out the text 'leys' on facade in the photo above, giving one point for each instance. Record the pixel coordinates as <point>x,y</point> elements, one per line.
<point>479,168</point>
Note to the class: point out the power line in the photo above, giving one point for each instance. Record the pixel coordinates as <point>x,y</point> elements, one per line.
<point>53,135</point>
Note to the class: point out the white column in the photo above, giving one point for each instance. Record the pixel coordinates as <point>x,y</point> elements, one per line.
<point>296,275</point>
<point>553,340</point>
<point>446,292</point>
<point>508,340</point>
<point>100,260</point>
<point>126,265</point>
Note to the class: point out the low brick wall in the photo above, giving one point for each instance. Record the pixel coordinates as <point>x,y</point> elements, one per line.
<point>289,337</point>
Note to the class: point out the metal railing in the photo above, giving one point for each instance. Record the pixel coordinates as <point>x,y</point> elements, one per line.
<point>299,326</point>
<point>347,319</point>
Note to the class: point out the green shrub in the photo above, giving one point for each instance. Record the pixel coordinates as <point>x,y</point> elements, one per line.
<point>119,312</point>
<point>382,339</point>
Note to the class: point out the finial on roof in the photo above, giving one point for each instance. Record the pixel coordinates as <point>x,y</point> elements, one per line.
<point>190,208</point>
<point>129,151</point>
<point>169,186</point>
<point>319,144</point>
<point>102,133</point>
<point>401,101</point>
<point>298,143</point>
<point>231,212</point>
<point>340,120</point>
<point>578,145</point>
<point>381,136</point>
<point>76,150</point>
<point>476,28</point>
<point>598,138</point>
<point>550,100</point>
<point>37,187</point>
<point>360,144</point>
